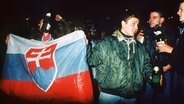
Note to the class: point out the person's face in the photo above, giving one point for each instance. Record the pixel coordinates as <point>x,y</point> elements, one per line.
<point>58,18</point>
<point>181,12</point>
<point>154,19</point>
<point>130,27</point>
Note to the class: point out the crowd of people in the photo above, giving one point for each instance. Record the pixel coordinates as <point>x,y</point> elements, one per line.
<point>122,58</point>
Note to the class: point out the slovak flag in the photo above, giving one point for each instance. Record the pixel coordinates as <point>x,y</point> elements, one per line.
<point>48,71</point>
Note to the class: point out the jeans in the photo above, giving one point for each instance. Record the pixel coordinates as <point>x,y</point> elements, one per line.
<point>106,98</point>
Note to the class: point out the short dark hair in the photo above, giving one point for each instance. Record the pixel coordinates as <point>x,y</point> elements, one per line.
<point>158,11</point>
<point>127,14</point>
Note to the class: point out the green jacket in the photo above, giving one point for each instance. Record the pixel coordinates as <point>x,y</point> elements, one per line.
<point>121,69</point>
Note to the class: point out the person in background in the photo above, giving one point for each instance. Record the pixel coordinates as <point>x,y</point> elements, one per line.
<point>60,27</point>
<point>122,64</point>
<point>177,56</point>
<point>37,32</point>
<point>157,31</point>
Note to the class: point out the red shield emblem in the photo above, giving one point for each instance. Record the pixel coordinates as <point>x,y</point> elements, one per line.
<point>41,65</point>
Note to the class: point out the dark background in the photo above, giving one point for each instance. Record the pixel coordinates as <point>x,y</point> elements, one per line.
<point>13,13</point>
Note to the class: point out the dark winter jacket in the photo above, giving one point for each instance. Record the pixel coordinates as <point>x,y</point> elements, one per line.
<point>122,65</point>
<point>167,35</point>
<point>178,52</point>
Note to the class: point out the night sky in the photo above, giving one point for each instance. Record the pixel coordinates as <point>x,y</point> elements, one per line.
<point>15,11</point>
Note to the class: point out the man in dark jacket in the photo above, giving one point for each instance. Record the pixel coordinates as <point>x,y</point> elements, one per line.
<point>122,64</point>
<point>158,31</point>
<point>177,62</point>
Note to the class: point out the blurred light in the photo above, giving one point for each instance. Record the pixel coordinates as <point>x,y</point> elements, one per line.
<point>171,17</point>
<point>27,18</point>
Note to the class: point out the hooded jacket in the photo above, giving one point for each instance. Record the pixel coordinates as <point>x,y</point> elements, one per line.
<point>122,65</point>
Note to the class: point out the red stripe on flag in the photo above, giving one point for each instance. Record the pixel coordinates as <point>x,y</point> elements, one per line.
<point>73,88</point>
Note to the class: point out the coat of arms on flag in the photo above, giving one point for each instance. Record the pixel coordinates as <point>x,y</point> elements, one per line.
<point>48,71</point>
<point>41,64</point>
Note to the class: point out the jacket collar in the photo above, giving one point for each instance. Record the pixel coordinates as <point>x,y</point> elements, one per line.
<point>128,40</point>
<point>121,36</point>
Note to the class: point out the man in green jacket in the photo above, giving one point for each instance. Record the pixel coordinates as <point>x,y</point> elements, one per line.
<point>121,63</point>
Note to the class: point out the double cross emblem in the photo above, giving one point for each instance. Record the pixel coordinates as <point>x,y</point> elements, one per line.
<point>41,65</point>
<point>40,57</point>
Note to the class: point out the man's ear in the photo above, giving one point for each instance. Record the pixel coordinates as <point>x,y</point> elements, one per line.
<point>122,23</point>
<point>162,20</point>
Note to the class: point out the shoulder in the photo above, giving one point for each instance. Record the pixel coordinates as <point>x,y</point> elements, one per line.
<point>139,44</point>
<point>106,42</point>
<point>108,39</point>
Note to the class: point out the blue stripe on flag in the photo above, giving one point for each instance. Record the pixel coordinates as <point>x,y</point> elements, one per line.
<point>71,58</point>
<point>15,68</point>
